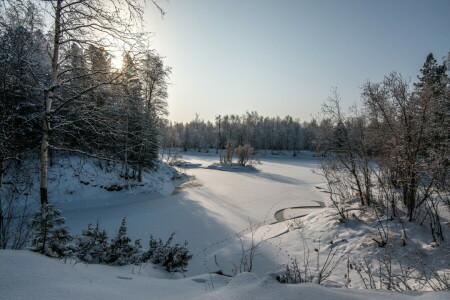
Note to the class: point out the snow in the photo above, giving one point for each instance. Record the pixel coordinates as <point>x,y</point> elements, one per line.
<point>211,212</point>
<point>33,276</point>
<point>215,211</point>
<point>28,275</point>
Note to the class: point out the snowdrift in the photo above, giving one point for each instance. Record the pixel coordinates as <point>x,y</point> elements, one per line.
<point>28,275</point>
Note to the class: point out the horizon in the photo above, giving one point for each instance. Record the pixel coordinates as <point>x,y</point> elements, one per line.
<point>283,58</point>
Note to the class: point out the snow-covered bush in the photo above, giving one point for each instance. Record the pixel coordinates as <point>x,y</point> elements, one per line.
<point>170,158</point>
<point>50,236</point>
<point>174,258</point>
<point>92,246</point>
<point>311,270</point>
<point>121,251</point>
<point>226,156</point>
<point>244,154</point>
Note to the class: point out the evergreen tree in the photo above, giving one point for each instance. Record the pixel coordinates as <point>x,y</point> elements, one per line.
<point>433,75</point>
<point>23,68</point>
<point>132,111</point>
<point>340,136</point>
<point>154,91</point>
<point>50,235</point>
<point>121,251</point>
<point>92,246</point>
<point>100,70</point>
<point>174,258</point>
<point>434,88</point>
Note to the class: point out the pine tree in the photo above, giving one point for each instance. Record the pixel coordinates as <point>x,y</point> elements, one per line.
<point>154,92</point>
<point>121,251</point>
<point>174,258</point>
<point>92,246</point>
<point>50,235</point>
<point>434,90</point>
<point>100,70</point>
<point>22,72</point>
<point>132,111</point>
<point>434,85</point>
<point>432,74</point>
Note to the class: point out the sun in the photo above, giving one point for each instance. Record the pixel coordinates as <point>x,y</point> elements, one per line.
<point>116,60</point>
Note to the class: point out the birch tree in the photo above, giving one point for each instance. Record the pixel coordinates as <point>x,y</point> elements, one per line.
<point>92,23</point>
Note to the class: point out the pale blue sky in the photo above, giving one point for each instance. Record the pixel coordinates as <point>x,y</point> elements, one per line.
<point>283,57</point>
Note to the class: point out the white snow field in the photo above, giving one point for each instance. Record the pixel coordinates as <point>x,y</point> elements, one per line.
<point>211,212</point>
<point>214,212</point>
<point>28,275</point>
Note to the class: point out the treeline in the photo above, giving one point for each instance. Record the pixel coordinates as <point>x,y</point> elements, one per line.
<point>267,133</point>
<point>288,133</point>
<point>60,91</point>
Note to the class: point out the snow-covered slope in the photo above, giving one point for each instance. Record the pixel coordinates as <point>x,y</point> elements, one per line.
<point>27,275</point>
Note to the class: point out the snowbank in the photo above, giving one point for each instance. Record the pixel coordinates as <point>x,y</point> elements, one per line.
<point>28,275</point>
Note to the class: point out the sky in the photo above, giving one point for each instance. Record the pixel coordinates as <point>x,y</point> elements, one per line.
<point>283,57</point>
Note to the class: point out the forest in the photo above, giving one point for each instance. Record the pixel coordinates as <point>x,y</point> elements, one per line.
<point>60,91</point>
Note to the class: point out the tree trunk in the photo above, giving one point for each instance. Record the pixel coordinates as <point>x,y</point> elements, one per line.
<point>2,235</point>
<point>126,150</point>
<point>48,106</point>
<point>140,174</point>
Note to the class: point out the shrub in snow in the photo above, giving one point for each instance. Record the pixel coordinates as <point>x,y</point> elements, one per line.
<point>317,272</point>
<point>121,251</point>
<point>50,236</point>
<point>226,156</point>
<point>92,246</point>
<point>392,271</point>
<point>293,274</point>
<point>244,154</point>
<point>174,258</point>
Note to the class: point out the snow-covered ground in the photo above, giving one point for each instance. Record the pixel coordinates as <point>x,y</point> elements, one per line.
<point>211,212</point>
<point>215,212</point>
<point>28,275</point>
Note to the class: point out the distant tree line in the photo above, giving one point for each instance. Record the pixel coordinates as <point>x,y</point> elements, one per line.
<point>267,133</point>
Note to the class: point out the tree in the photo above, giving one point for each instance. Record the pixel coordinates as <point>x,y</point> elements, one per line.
<point>432,74</point>
<point>154,80</point>
<point>434,90</point>
<point>87,24</point>
<point>22,66</point>
<point>405,122</point>
<point>22,69</point>
<point>50,233</point>
<point>59,92</point>
<point>121,250</point>
<point>92,245</point>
